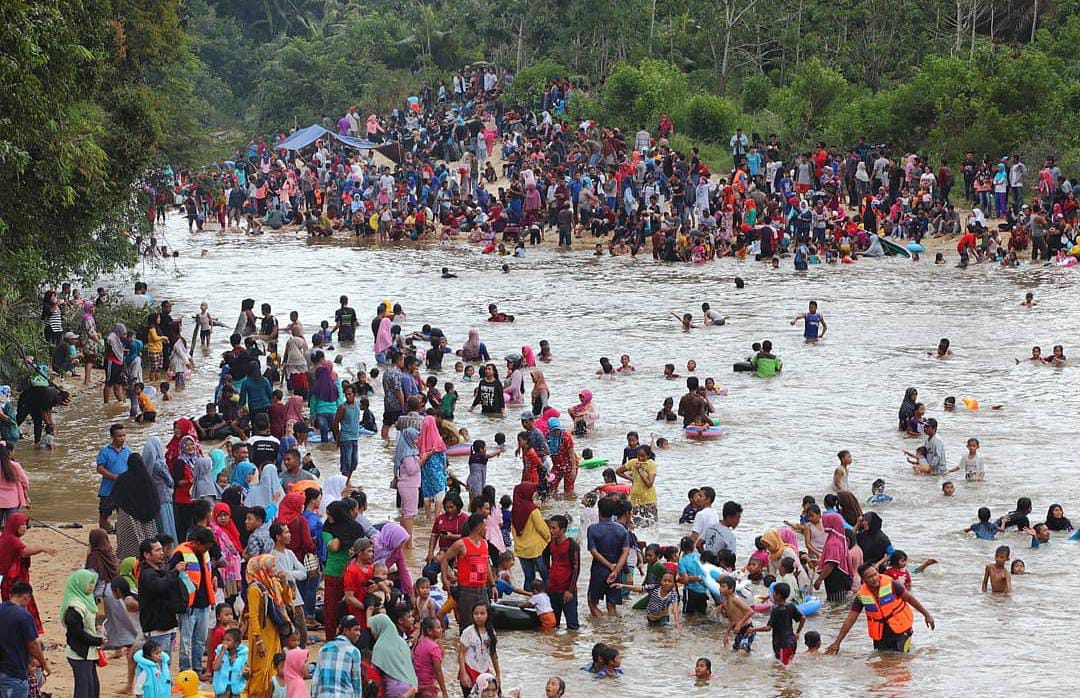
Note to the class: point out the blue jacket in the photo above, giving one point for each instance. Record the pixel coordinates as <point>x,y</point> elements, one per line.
<point>230,676</point>
<point>158,683</point>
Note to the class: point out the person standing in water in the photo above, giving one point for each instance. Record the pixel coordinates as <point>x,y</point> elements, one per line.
<point>887,604</point>
<point>814,326</point>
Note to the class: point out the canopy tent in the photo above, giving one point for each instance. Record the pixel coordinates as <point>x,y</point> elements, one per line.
<point>306,136</point>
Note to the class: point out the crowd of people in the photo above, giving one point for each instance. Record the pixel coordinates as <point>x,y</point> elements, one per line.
<point>233,555</point>
<point>472,164</point>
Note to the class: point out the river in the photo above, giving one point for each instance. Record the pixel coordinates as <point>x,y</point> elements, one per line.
<point>783,434</point>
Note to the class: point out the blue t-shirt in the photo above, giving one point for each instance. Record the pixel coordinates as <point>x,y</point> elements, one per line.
<point>19,629</point>
<point>607,537</point>
<point>753,161</point>
<point>690,565</point>
<point>134,349</point>
<point>408,385</point>
<point>811,325</point>
<point>984,530</point>
<point>116,462</point>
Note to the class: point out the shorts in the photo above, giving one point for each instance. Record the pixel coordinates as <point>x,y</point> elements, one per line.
<point>105,504</point>
<point>658,622</point>
<point>204,334</point>
<point>390,417</point>
<point>346,334</point>
<point>547,621</point>
<point>114,374</point>
<point>802,188</point>
<point>156,361</point>
<point>743,639</point>
<point>784,654</point>
<point>147,417</point>
<point>600,589</point>
<point>891,642</point>
<point>347,451</point>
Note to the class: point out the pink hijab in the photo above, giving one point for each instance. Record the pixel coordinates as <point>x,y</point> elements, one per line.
<point>836,544</point>
<point>789,538</point>
<point>383,338</point>
<point>542,423</point>
<point>527,354</point>
<point>294,412</point>
<point>295,669</point>
<point>430,440</point>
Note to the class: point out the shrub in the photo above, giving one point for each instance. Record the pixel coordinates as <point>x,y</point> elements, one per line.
<point>710,118</point>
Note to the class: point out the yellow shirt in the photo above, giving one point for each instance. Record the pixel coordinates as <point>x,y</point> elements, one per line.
<point>532,541</point>
<point>154,344</point>
<point>639,493</point>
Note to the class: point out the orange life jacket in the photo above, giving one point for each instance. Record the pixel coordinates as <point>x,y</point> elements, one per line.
<point>885,607</point>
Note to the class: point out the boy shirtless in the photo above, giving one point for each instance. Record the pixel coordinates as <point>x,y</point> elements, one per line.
<point>997,574</point>
<point>738,614</point>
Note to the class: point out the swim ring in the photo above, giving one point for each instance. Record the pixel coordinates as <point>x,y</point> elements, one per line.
<point>742,367</point>
<point>458,450</point>
<point>915,247</point>
<point>616,488</point>
<point>847,260</point>
<point>715,421</point>
<point>593,463</point>
<point>970,403</point>
<point>305,484</point>
<point>703,433</point>
<point>507,614</point>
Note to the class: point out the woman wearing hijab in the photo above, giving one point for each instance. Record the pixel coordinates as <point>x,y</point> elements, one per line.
<point>834,566</point>
<point>584,414</point>
<point>432,463</point>
<point>153,455</point>
<point>528,356</point>
<point>242,476</point>
<point>291,515</point>
<point>182,469</point>
<point>15,557</point>
<point>407,475</point>
<point>530,532</point>
<point>294,368</point>
<point>266,493</point>
<point>78,611</point>
<point>907,407</point>
<point>564,460</point>
<point>205,486</point>
<point>333,489</point>
<point>294,412</point>
<point>127,571</point>
<point>474,349</point>
<point>232,549</point>
<point>101,559</point>
<point>512,388</point>
<point>540,392</point>
<point>181,428</point>
<point>114,362</point>
<point>778,549</point>
<point>265,603</point>
<point>875,545</point>
<point>389,545</point>
<point>392,657</point>
<point>137,507</point>
<point>383,340</point>
<point>340,531</point>
<point>296,661</point>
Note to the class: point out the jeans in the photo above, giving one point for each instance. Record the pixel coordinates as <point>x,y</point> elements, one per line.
<point>307,588</point>
<point>13,688</point>
<point>347,449</point>
<point>561,608</point>
<point>324,421</point>
<point>194,624</point>
<point>533,567</point>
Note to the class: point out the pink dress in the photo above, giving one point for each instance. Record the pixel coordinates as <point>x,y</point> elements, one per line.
<point>408,485</point>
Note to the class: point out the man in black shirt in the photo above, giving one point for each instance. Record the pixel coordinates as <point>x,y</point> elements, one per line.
<point>345,321</point>
<point>262,445</point>
<point>160,593</point>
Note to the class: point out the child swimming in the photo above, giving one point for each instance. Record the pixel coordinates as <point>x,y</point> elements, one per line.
<point>996,575</point>
<point>877,492</point>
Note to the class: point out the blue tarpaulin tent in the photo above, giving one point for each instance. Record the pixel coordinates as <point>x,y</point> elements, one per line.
<point>306,136</point>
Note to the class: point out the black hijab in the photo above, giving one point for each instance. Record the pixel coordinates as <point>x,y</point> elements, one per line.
<point>872,540</point>
<point>234,497</point>
<point>907,407</point>
<point>135,493</point>
<point>343,527</point>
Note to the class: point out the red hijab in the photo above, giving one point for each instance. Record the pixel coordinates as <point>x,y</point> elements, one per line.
<point>229,529</point>
<point>11,547</point>
<point>523,506</point>
<point>172,449</point>
<point>291,508</point>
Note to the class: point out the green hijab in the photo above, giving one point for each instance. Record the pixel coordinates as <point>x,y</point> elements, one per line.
<point>391,654</point>
<point>79,592</point>
<point>127,571</point>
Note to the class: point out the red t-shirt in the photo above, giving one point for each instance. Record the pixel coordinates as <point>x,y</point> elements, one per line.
<point>446,524</point>
<point>356,579</point>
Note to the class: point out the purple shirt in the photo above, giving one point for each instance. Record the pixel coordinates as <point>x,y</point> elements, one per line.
<point>343,126</point>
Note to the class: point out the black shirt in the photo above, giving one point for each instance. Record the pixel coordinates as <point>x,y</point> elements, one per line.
<point>781,619</point>
<point>263,449</point>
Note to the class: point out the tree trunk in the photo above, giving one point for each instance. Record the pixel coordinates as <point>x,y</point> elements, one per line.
<point>1034,20</point>
<point>521,44</point>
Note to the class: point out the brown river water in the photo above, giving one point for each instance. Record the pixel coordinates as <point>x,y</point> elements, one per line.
<point>842,392</point>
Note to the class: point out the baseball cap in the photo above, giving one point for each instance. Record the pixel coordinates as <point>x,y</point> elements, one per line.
<point>70,335</point>
<point>527,414</point>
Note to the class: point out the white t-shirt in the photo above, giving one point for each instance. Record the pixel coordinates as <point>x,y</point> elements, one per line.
<point>477,650</point>
<point>973,467</point>
<point>542,603</point>
<point>705,518</point>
